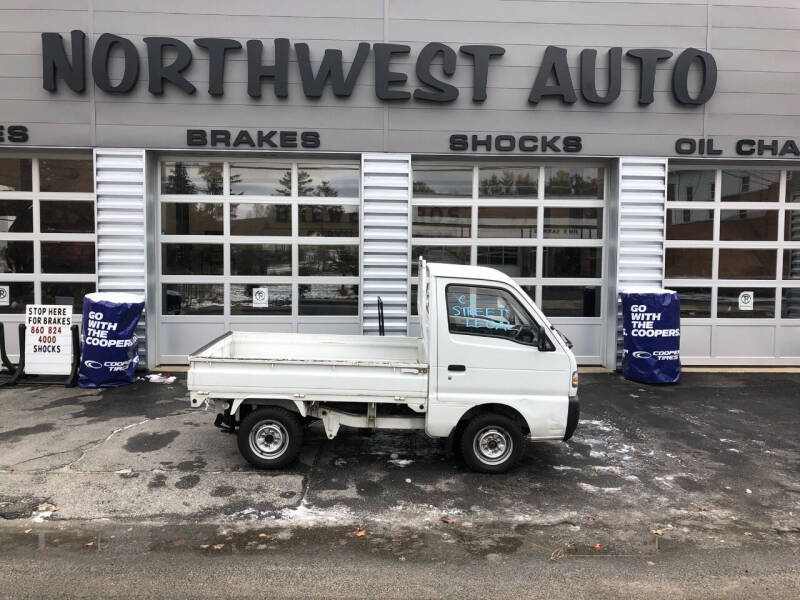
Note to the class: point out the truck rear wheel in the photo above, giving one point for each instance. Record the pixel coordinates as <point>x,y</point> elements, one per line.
<point>270,438</point>
<point>491,443</point>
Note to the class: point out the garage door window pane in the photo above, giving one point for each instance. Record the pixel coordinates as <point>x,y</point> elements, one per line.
<point>442,221</point>
<point>192,298</point>
<point>279,299</point>
<point>184,218</point>
<point>763,303</point>
<point>327,181</point>
<point>327,220</point>
<point>571,262</point>
<point>748,225</point>
<point>686,224</point>
<point>64,175</point>
<point>261,219</point>
<point>513,261</point>
<point>573,223</point>
<point>69,293</point>
<point>790,303</point>
<point>68,257</point>
<point>691,186</point>
<point>339,261</point>
<point>326,299</point>
<point>520,182</point>
<point>507,221</point>
<point>261,259</point>
<point>793,186</point>
<point>791,226</point>
<point>437,180</point>
<point>695,302</point>
<point>451,255</point>
<point>20,293</point>
<point>16,257</point>
<point>259,178</point>
<point>15,175</point>
<point>571,301</point>
<point>16,216</point>
<point>66,217</point>
<point>191,178</point>
<point>688,263</point>
<point>791,263</point>
<point>750,186</point>
<point>575,182</point>
<point>191,259</point>
<point>747,264</point>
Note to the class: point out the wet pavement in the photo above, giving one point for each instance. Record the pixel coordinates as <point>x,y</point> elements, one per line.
<point>708,466</point>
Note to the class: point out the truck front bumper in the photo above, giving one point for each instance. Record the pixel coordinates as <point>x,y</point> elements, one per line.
<point>573,412</point>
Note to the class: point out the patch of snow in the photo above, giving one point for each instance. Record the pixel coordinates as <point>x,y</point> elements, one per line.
<point>565,468</point>
<point>400,462</point>
<point>311,516</point>
<point>593,489</point>
<point>596,454</point>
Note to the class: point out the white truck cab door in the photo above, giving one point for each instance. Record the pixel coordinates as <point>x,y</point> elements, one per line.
<point>489,351</point>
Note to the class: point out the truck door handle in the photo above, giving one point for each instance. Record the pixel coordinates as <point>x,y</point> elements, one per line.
<point>456,368</point>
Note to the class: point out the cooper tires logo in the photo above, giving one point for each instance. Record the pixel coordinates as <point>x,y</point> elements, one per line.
<point>3,293</point>
<point>260,296</point>
<point>642,354</point>
<point>93,364</point>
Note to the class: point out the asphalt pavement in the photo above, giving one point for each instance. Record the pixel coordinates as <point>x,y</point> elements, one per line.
<point>685,490</point>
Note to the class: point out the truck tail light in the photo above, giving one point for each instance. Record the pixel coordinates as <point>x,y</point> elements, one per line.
<point>574,379</point>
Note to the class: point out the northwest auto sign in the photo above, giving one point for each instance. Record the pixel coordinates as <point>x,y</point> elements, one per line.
<point>552,79</point>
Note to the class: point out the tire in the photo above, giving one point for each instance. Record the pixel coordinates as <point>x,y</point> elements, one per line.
<point>491,443</point>
<point>270,438</point>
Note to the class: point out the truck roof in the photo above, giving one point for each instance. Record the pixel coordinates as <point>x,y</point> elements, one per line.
<point>467,272</point>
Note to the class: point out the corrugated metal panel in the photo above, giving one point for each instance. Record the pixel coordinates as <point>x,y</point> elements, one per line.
<point>121,257</point>
<point>385,223</point>
<point>641,226</point>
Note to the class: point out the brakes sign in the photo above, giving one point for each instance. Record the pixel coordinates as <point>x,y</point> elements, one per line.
<point>48,340</point>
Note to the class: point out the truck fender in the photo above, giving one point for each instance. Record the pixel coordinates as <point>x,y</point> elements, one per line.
<point>293,405</point>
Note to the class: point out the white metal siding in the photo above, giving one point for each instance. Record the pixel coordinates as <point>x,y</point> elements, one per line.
<point>120,218</point>
<point>385,246</point>
<point>641,226</point>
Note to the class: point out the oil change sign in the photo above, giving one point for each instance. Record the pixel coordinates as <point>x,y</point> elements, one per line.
<point>48,340</point>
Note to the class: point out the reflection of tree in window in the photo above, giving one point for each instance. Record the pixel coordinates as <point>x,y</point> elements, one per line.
<point>212,175</point>
<point>420,187</point>
<point>178,181</point>
<point>324,189</point>
<point>508,184</point>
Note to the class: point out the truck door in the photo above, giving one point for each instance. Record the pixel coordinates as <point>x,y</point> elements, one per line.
<point>489,351</point>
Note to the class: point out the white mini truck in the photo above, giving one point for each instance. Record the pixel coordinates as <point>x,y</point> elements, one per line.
<point>488,369</point>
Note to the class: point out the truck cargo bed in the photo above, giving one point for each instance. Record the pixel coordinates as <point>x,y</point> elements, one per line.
<point>309,366</point>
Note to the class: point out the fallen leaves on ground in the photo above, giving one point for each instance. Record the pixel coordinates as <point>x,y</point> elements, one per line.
<point>597,547</point>
<point>650,563</point>
<point>262,535</point>
<point>89,544</point>
<point>657,531</point>
<point>446,520</point>
<point>178,543</point>
<point>592,516</point>
<point>360,532</point>
<point>28,530</point>
<point>217,546</point>
<point>204,546</point>
<point>747,533</point>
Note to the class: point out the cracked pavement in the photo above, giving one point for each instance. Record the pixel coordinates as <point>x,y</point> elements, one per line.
<point>712,462</point>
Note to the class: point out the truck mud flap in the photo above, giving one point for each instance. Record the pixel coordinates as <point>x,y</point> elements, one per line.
<point>225,421</point>
<point>573,413</point>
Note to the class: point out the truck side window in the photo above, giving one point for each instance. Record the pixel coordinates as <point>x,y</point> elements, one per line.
<point>492,312</point>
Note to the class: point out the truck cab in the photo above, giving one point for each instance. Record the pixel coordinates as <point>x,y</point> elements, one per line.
<point>487,370</point>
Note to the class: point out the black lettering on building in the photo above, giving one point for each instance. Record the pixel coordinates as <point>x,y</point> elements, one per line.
<point>130,65</point>
<point>384,78</point>
<point>329,69</point>
<point>481,54</point>
<point>217,51</point>
<point>589,80</point>
<point>648,61</point>
<point>442,91</point>
<point>554,65</point>
<point>158,72</point>
<point>278,72</point>
<point>55,63</point>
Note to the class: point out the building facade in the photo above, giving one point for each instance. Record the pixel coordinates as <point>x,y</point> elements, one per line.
<point>279,166</point>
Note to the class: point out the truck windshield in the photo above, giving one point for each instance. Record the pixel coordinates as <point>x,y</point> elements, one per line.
<point>490,312</point>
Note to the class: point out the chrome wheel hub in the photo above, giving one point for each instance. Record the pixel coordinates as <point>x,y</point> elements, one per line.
<point>269,439</point>
<point>493,445</point>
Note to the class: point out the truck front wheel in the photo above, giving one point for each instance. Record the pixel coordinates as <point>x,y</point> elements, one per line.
<point>491,443</point>
<point>270,438</point>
